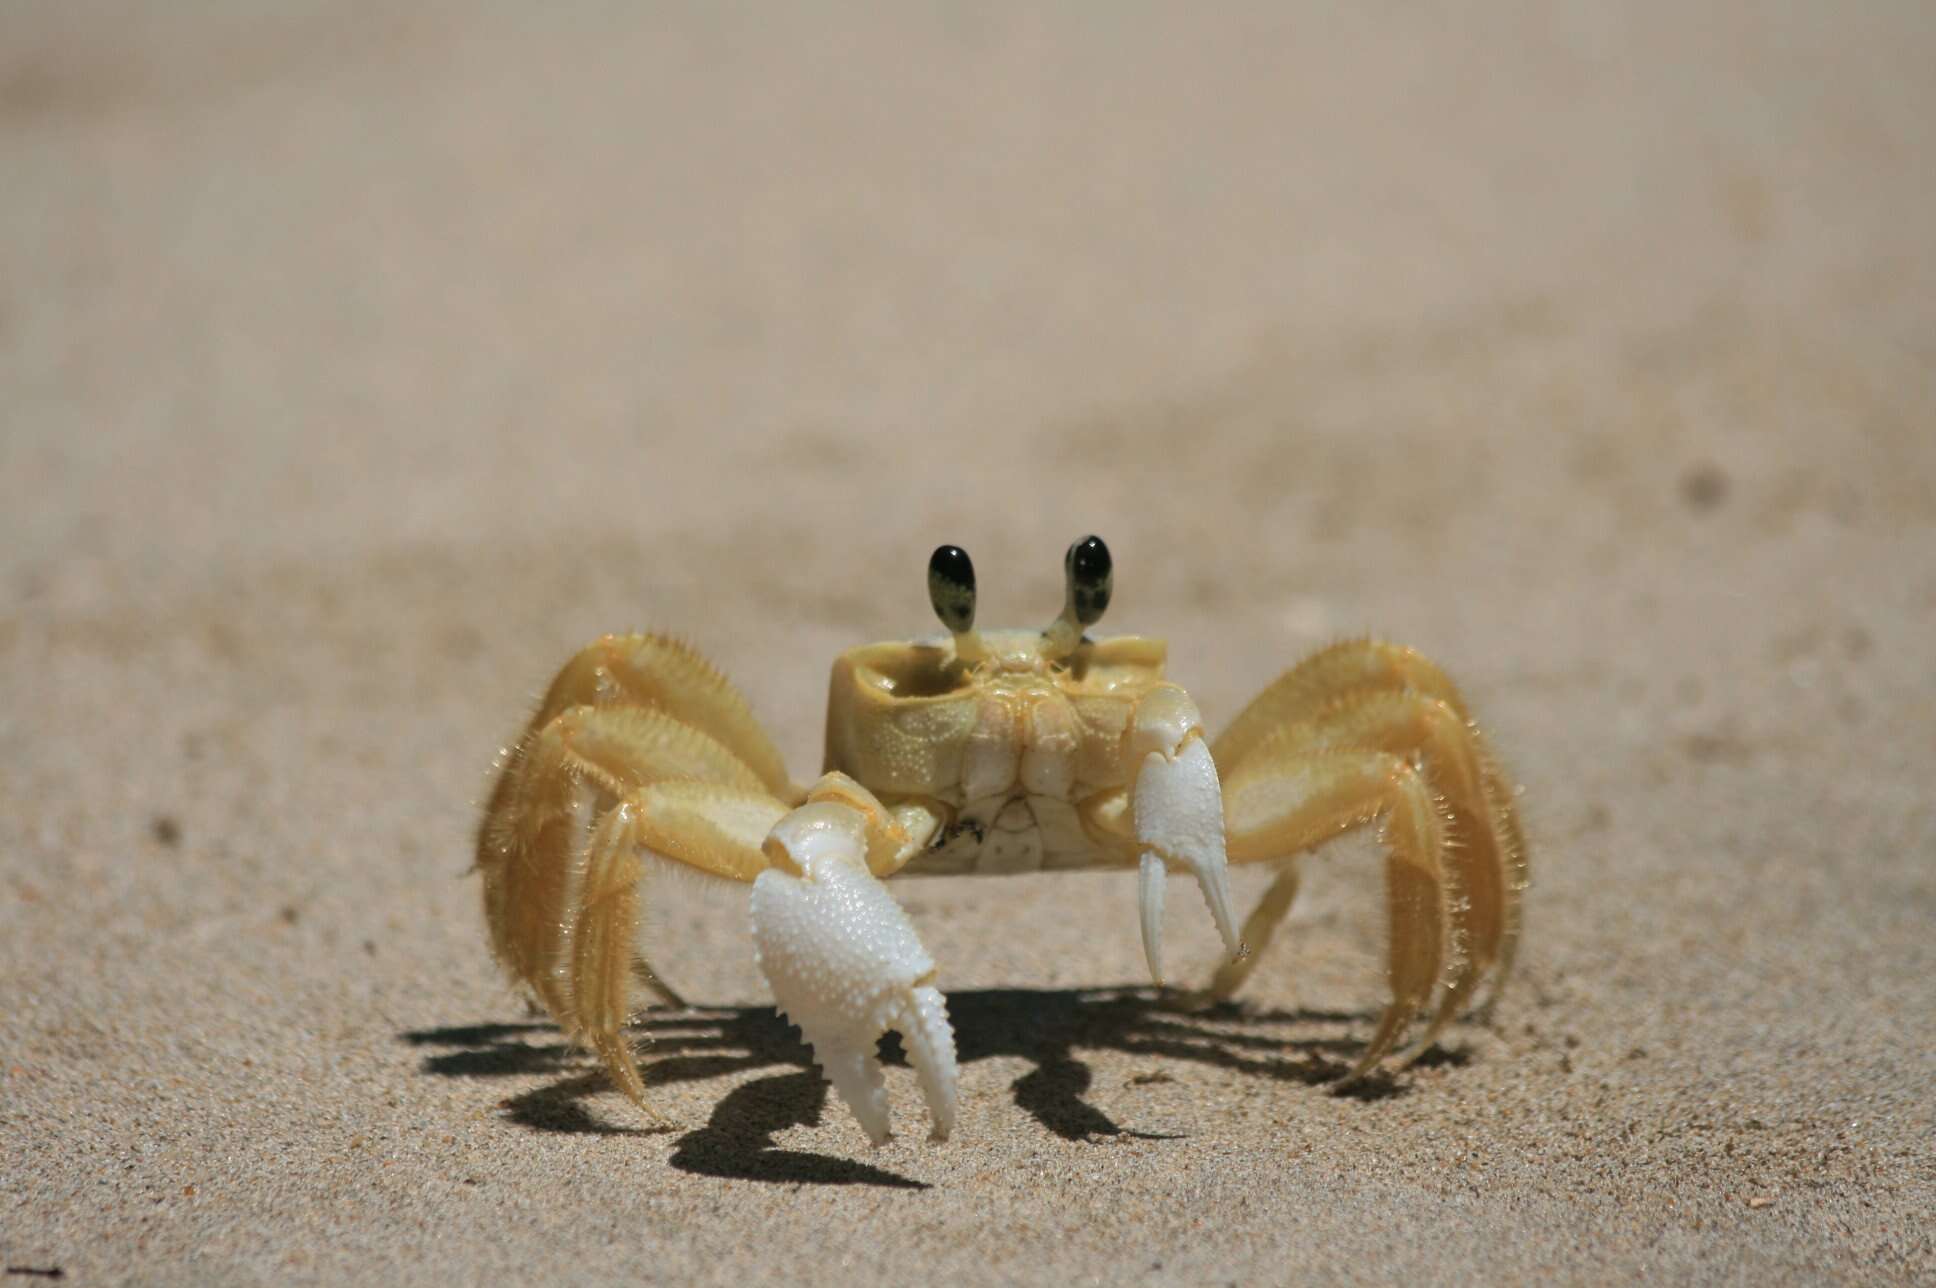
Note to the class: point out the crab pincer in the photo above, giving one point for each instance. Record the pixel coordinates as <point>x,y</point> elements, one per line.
<point>845,964</point>
<point>1178,816</point>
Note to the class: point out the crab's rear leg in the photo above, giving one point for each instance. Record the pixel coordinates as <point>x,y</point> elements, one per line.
<point>1413,725</point>
<point>665,675</point>
<point>712,829</point>
<point>563,908</point>
<point>531,822</point>
<point>1278,805</point>
<point>1483,853</point>
<point>1319,692</point>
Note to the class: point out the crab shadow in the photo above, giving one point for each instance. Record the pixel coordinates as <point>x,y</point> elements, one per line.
<point>1048,1028</point>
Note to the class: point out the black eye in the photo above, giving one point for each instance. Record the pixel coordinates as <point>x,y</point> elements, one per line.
<point>1091,577</point>
<point>951,587</point>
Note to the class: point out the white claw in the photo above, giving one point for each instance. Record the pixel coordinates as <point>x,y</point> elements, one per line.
<point>1179,817</point>
<point>1150,890</point>
<point>930,1042</point>
<point>845,965</point>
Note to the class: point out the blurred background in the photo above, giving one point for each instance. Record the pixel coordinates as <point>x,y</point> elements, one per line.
<point>1328,317</point>
<point>359,361</point>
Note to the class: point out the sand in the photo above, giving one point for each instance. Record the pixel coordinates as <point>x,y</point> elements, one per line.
<point>356,366</point>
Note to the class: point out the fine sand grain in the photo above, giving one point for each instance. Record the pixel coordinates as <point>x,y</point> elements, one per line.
<point>356,366</point>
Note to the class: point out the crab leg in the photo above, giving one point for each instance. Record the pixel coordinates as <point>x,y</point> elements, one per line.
<point>564,912</point>
<point>530,848</point>
<point>1177,815</point>
<point>1479,848</point>
<point>1325,691</point>
<point>653,708</point>
<point>1371,696</point>
<point>665,675</point>
<point>844,962</point>
<point>1345,667</point>
<point>1281,804</point>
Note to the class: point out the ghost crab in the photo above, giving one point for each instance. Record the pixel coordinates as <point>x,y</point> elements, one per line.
<point>982,752</point>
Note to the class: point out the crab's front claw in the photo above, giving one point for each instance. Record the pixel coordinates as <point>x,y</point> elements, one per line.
<point>845,964</point>
<point>1178,816</point>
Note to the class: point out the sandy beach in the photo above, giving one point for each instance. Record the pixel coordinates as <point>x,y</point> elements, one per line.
<point>358,363</point>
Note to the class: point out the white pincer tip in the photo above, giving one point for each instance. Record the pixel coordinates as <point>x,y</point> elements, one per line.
<point>1150,895</point>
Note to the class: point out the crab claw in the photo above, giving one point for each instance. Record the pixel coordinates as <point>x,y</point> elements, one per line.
<point>1178,818</point>
<point>845,965</point>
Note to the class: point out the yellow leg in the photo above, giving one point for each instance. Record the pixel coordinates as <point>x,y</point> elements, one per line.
<point>639,672</point>
<point>641,739</point>
<point>648,977</point>
<point>1275,806</point>
<point>716,830</point>
<point>665,675</point>
<point>563,906</point>
<point>600,948</point>
<point>1342,668</point>
<point>584,757</point>
<point>1410,724</point>
<point>1374,696</point>
<point>1505,813</point>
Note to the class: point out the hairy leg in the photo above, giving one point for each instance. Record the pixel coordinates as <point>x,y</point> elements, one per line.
<point>1342,668</point>
<point>665,675</point>
<point>562,906</point>
<point>1282,804</point>
<point>1382,696</point>
<point>640,673</point>
<point>1481,835</point>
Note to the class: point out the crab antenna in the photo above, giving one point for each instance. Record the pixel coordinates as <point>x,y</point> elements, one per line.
<point>951,589</point>
<point>1090,576</point>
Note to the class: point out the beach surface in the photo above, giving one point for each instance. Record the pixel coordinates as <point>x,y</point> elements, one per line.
<point>359,363</point>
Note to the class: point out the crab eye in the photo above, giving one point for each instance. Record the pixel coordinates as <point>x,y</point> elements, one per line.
<point>1091,577</point>
<point>951,587</point>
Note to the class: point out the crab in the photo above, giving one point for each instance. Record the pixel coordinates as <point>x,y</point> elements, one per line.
<point>987,753</point>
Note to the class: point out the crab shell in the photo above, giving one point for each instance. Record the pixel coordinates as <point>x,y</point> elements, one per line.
<point>1010,748</point>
